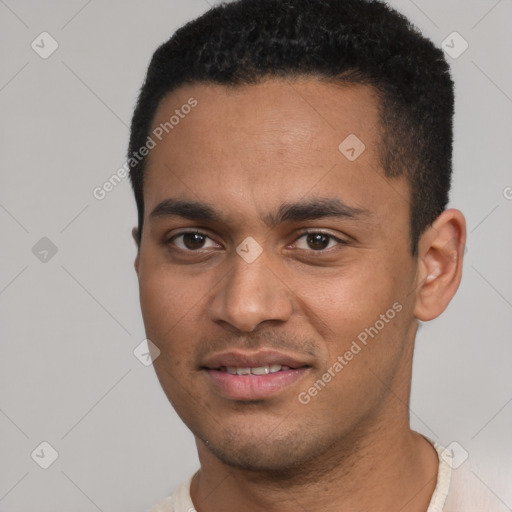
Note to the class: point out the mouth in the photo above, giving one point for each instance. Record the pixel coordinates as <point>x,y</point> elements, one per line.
<point>249,377</point>
<point>259,370</point>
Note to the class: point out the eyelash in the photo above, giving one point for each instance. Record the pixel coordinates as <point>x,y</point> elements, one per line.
<point>300,235</point>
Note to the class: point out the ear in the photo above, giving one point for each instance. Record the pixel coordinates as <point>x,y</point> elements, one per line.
<point>440,256</point>
<point>135,235</point>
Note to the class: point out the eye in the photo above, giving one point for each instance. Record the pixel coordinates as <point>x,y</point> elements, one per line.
<point>192,241</point>
<point>318,241</point>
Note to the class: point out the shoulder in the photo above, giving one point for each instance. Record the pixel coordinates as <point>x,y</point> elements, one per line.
<point>180,501</point>
<point>165,505</point>
<point>473,490</point>
<point>465,484</point>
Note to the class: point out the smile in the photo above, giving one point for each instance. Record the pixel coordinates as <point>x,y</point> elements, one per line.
<point>259,370</point>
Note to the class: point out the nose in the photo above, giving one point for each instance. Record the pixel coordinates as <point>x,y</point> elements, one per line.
<point>249,294</point>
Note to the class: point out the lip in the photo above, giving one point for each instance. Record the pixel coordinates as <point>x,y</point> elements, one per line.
<point>252,360</point>
<point>253,387</point>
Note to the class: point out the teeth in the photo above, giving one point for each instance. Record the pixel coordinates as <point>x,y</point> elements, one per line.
<point>260,370</point>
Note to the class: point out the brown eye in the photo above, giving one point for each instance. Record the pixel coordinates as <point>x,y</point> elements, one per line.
<point>192,241</point>
<point>317,241</point>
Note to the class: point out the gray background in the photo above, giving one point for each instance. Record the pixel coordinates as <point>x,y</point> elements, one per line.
<point>70,323</point>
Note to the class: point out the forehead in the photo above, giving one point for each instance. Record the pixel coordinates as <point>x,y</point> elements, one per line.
<point>275,141</point>
<point>275,112</point>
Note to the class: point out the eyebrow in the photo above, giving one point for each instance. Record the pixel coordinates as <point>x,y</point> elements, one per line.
<point>311,209</point>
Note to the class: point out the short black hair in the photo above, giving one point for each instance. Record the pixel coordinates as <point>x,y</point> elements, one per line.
<point>344,41</point>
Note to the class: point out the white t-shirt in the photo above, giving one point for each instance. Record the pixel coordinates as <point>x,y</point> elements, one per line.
<point>457,490</point>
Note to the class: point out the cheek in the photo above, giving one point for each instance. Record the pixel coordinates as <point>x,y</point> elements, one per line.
<point>170,307</point>
<point>347,301</point>
<point>170,303</point>
<point>364,330</point>
<point>360,313</point>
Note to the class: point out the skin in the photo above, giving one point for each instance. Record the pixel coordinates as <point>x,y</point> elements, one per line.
<point>245,151</point>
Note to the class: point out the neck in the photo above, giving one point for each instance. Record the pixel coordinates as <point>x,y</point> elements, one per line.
<point>395,471</point>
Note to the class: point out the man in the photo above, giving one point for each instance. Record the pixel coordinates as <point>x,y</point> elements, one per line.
<point>291,163</point>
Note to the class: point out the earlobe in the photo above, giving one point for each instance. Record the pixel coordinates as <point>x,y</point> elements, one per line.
<point>441,252</point>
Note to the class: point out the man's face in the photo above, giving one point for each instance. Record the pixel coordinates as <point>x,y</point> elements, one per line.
<point>335,257</point>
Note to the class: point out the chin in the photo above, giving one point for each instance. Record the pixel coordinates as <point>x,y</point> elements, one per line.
<point>256,459</point>
<point>264,453</point>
